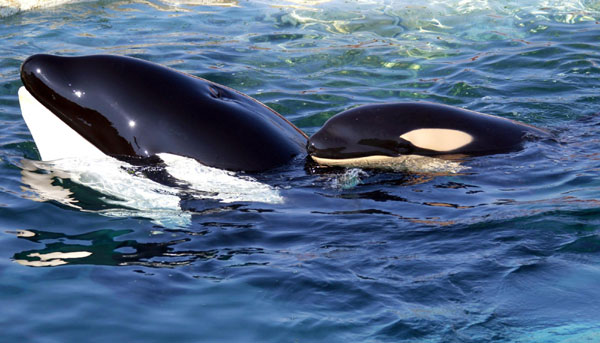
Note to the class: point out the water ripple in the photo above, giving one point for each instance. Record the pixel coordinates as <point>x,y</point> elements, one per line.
<point>506,250</point>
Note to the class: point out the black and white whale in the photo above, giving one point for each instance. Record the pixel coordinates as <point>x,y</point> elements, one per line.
<point>386,134</point>
<point>101,119</point>
<point>133,109</point>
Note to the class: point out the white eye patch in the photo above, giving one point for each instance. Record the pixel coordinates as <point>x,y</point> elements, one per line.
<point>438,139</point>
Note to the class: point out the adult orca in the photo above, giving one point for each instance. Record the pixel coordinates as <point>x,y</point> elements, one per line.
<point>379,134</point>
<point>133,109</point>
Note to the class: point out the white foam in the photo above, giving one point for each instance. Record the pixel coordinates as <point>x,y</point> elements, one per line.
<point>221,185</point>
<point>10,7</point>
<point>349,179</point>
<point>133,195</point>
<point>423,10</point>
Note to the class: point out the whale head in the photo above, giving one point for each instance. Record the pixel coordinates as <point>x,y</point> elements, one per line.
<point>360,133</point>
<point>129,108</point>
<point>379,133</point>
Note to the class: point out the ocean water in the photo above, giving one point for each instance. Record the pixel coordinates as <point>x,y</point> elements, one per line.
<point>507,250</point>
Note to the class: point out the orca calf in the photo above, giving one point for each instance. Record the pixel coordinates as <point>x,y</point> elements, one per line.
<point>132,109</point>
<point>383,134</point>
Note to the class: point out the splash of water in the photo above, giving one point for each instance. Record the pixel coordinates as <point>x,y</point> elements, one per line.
<point>133,194</point>
<point>219,184</point>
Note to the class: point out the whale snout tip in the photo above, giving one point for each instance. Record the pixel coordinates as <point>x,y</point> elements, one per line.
<point>317,144</point>
<point>311,148</point>
<point>30,66</point>
<point>37,68</point>
<point>34,64</point>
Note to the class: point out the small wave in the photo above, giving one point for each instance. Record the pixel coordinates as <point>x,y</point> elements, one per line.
<point>126,194</point>
<point>221,185</point>
<point>129,193</point>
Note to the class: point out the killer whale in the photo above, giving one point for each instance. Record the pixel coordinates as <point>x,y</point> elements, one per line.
<point>380,134</point>
<point>91,107</point>
<point>133,109</point>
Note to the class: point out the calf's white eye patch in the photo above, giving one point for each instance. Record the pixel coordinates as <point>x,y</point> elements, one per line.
<point>438,139</point>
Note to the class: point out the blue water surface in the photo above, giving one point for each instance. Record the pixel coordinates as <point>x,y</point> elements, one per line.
<point>505,251</point>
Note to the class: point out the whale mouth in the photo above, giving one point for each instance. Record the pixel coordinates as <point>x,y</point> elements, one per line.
<point>339,154</point>
<point>338,157</point>
<point>341,144</point>
<point>53,138</point>
<point>323,149</point>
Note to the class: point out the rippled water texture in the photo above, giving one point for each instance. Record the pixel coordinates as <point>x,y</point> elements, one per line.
<point>506,251</point>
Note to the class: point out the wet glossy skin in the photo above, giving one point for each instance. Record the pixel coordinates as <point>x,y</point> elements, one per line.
<point>376,129</point>
<point>130,108</point>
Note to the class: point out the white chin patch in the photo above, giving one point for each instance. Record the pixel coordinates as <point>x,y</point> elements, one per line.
<point>410,163</point>
<point>442,140</point>
<point>53,138</point>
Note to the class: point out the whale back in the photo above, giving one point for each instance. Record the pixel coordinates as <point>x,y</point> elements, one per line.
<point>129,108</point>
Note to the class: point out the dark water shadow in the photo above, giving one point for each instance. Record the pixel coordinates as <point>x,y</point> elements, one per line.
<point>102,247</point>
